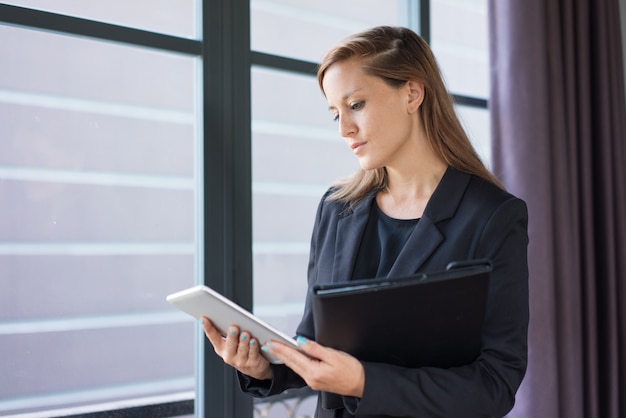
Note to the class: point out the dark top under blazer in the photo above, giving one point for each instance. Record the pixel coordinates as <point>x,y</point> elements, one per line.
<point>466,218</point>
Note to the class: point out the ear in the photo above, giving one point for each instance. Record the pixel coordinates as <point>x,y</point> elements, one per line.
<point>415,95</point>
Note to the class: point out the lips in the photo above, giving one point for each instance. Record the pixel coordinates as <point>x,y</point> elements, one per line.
<point>355,146</point>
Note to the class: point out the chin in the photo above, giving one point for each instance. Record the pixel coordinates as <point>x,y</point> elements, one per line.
<point>369,165</point>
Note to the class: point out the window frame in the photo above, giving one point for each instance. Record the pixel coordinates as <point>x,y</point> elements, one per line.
<point>226,228</point>
<point>224,50</point>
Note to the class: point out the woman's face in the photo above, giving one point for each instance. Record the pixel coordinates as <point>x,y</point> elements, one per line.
<point>377,121</point>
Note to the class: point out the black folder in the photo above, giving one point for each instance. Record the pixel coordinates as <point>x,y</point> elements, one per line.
<point>422,320</point>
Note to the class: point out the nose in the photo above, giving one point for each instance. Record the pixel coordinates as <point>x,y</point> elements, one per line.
<point>347,127</point>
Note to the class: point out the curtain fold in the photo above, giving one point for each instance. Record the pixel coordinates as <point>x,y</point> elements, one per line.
<point>559,141</point>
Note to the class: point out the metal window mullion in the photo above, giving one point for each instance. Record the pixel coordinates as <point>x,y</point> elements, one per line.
<point>470,101</point>
<point>284,63</point>
<point>162,410</point>
<point>227,188</point>
<point>424,20</point>
<point>69,25</point>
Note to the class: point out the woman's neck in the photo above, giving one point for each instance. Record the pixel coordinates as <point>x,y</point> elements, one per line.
<point>407,193</point>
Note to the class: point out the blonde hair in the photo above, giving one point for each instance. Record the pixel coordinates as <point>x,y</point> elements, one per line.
<point>398,55</point>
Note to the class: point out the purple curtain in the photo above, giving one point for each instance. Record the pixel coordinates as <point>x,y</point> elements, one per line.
<point>559,142</point>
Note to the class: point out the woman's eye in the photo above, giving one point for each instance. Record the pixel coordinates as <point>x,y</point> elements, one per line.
<point>353,106</point>
<point>357,105</point>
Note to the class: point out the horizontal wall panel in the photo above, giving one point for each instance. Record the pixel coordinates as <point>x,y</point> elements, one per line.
<point>49,138</point>
<point>163,16</point>
<point>460,41</point>
<point>477,123</point>
<point>283,218</point>
<point>284,279</point>
<point>99,182</point>
<point>306,160</point>
<point>52,212</point>
<point>298,100</point>
<point>117,357</point>
<point>56,286</point>
<point>322,23</point>
<point>50,64</point>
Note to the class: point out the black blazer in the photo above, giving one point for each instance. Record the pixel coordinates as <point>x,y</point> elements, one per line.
<point>466,218</point>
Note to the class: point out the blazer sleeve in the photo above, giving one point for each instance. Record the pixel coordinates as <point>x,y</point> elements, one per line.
<point>486,387</point>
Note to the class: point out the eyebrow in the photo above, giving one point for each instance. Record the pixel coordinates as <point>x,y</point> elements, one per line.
<point>347,96</point>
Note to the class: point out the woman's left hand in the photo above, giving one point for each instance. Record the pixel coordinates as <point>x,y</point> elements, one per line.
<point>324,369</point>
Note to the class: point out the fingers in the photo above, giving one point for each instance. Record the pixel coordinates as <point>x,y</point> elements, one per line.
<point>309,347</point>
<point>214,336</point>
<point>321,367</point>
<point>294,359</point>
<point>232,343</point>
<point>234,347</point>
<point>239,350</point>
<point>240,347</point>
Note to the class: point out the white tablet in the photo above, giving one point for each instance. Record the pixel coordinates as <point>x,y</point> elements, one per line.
<point>201,301</point>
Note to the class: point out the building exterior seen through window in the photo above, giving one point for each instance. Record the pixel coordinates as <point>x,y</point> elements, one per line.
<point>99,218</point>
<point>101,184</point>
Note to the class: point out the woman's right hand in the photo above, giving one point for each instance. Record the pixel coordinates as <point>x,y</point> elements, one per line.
<point>238,350</point>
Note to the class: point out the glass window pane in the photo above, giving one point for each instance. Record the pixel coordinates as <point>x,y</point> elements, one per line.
<point>459,39</point>
<point>297,154</point>
<point>314,26</point>
<point>178,18</point>
<point>477,123</point>
<point>98,174</point>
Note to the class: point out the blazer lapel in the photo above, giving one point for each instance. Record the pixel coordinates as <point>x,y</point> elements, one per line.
<point>427,236</point>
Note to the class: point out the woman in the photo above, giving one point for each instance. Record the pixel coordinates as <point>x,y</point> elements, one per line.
<point>421,200</point>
